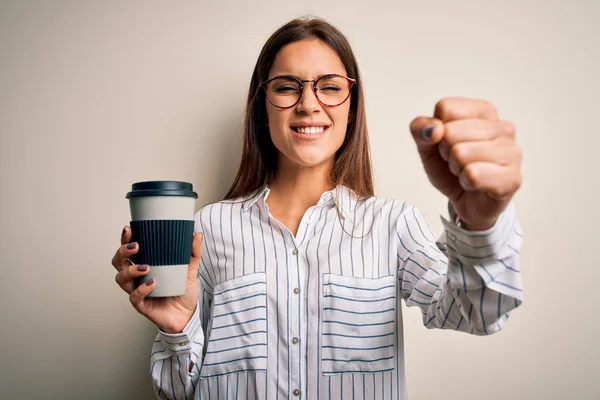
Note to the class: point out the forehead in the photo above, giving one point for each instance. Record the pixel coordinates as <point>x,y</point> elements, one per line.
<point>307,59</point>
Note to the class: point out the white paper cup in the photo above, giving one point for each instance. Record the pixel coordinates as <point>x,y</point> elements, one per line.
<point>162,222</point>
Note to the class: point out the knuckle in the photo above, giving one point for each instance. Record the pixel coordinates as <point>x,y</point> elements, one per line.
<point>471,173</point>
<point>513,189</point>
<point>451,130</point>
<point>442,107</point>
<point>485,107</point>
<point>454,167</point>
<point>444,149</point>
<point>518,154</point>
<point>123,277</point>
<point>518,181</point>
<point>131,270</point>
<point>489,105</point>
<point>459,152</point>
<point>498,192</point>
<point>509,128</point>
<point>134,298</point>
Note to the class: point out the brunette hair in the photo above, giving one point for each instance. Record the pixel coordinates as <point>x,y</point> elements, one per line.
<point>352,165</point>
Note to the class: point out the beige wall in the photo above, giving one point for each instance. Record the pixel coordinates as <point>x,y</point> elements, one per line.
<point>95,95</point>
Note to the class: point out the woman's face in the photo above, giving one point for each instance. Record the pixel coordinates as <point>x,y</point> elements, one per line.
<point>297,132</point>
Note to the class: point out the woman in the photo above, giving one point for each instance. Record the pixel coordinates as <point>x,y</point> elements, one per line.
<point>295,280</point>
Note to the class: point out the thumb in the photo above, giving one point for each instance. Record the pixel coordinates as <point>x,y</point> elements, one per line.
<point>427,133</point>
<point>196,256</point>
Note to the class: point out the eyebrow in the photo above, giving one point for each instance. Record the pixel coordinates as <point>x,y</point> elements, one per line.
<point>300,79</point>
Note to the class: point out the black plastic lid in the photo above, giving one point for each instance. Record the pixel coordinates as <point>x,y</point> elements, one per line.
<point>161,188</point>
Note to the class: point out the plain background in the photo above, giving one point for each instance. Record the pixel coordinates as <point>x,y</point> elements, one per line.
<point>95,95</point>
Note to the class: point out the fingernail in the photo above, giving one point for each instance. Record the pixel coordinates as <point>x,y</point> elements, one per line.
<point>131,245</point>
<point>142,268</point>
<point>427,132</point>
<point>149,282</point>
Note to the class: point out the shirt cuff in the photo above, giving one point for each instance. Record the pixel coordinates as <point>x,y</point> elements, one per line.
<point>181,342</point>
<point>478,246</point>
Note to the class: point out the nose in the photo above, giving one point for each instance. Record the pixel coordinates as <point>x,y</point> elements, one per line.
<point>308,100</point>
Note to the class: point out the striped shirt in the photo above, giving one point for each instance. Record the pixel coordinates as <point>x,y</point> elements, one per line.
<point>318,315</point>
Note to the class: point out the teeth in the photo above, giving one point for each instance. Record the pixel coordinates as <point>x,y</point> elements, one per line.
<point>312,130</point>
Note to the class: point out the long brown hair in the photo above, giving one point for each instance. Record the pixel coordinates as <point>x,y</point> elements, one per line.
<point>258,165</point>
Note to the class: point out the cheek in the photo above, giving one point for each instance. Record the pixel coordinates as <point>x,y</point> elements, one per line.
<point>340,119</point>
<point>275,116</point>
<point>341,114</point>
<point>277,125</point>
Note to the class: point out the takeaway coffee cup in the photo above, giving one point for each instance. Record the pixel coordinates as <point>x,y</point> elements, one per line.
<point>162,222</point>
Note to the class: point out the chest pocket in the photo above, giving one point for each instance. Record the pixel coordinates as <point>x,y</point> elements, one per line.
<point>359,324</point>
<point>238,335</point>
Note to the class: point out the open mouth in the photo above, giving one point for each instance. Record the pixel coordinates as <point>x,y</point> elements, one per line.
<point>309,130</point>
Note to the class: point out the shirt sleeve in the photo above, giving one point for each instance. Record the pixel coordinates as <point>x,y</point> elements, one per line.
<point>466,281</point>
<point>176,359</point>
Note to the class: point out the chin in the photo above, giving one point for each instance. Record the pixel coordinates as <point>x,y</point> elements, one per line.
<point>312,161</point>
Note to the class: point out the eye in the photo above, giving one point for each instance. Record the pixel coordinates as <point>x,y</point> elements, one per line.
<point>287,88</point>
<point>329,88</point>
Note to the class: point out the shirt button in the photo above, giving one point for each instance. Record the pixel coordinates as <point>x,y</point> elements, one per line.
<point>452,236</point>
<point>296,392</point>
<point>295,340</point>
<point>295,251</point>
<point>183,343</point>
<point>296,290</point>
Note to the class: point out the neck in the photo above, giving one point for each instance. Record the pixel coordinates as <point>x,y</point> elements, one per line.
<point>294,189</point>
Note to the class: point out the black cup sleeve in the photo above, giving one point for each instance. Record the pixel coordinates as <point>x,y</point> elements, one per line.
<point>163,242</point>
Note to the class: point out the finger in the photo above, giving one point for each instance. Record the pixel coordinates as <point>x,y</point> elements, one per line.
<point>427,133</point>
<point>498,181</point>
<point>138,296</point>
<point>196,256</point>
<point>125,277</point>
<point>444,150</point>
<point>120,259</point>
<point>473,129</point>
<point>456,108</point>
<point>126,235</point>
<point>499,151</point>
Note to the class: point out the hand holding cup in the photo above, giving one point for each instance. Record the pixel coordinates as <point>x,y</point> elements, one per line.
<point>153,262</point>
<point>170,314</point>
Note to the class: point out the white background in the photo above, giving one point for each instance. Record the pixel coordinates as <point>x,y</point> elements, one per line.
<point>96,95</point>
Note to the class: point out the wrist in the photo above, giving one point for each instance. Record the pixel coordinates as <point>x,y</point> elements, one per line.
<point>178,324</point>
<point>467,225</point>
<point>176,327</point>
<point>477,228</point>
<point>171,330</point>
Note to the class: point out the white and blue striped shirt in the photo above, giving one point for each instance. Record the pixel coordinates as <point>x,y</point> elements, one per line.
<point>318,315</point>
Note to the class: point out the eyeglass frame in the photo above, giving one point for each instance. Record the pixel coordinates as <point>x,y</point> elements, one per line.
<point>264,84</point>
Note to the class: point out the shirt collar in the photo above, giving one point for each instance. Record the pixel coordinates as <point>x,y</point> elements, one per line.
<point>345,197</point>
<point>252,198</point>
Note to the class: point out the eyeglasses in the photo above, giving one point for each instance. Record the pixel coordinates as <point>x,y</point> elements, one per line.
<point>286,91</point>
